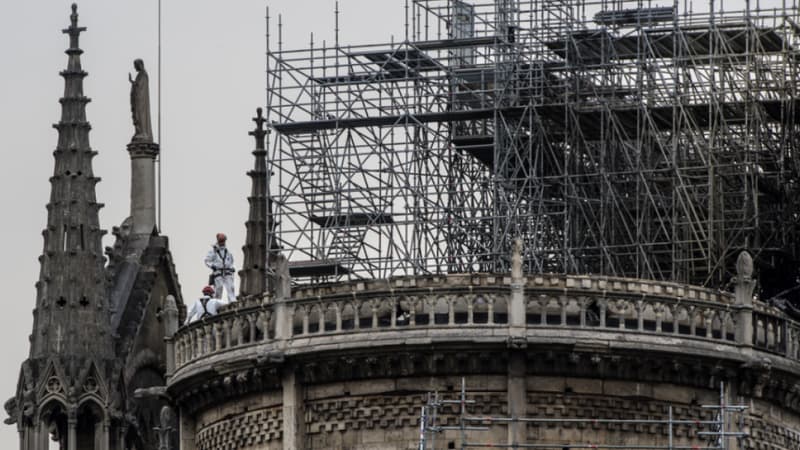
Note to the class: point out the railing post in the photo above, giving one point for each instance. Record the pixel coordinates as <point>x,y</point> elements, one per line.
<point>451,312</point>
<point>516,306</point>
<point>659,311</point>
<point>229,326</point>
<point>639,307</point>
<point>284,320</point>
<point>544,301</point>
<point>582,303</point>
<point>252,319</point>
<point>744,299</point>
<point>603,303</point>
<point>563,302</point>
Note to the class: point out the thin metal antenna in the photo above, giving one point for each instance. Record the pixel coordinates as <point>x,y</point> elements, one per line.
<point>266,68</point>
<point>160,157</point>
<point>336,25</point>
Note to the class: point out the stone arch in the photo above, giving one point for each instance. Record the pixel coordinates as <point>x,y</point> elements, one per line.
<point>145,410</point>
<point>348,316</point>
<point>53,419</point>
<point>143,359</point>
<point>480,309</point>
<point>329,316</point>
<point>499,309</point>
<point>314,313</point>
<point>89,428</point>
<point>298,314</point>
<point>460,310</point>
<point>441,310</point>
<point>365,314</point>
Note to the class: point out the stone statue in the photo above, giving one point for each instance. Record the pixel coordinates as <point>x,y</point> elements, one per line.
<point>165,429</point>
<point>516,258</point>
<point>140,104</point>
<point>283,288</point>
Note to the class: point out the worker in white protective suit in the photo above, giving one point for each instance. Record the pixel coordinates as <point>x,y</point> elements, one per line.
<point>204,306</point>
<point>220,261</point>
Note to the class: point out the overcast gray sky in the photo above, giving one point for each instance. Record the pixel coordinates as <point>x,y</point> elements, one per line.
<point>213,79</point>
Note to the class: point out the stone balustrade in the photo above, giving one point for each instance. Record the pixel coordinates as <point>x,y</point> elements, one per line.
<point>600,304</point>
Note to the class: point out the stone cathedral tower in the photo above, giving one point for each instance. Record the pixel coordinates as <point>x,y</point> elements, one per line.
<point>64,388</point>
<point>99,331</point>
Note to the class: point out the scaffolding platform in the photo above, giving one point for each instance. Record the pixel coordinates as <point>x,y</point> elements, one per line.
<point>626,138</point>
<point>351,220</point>
<point>319,268</point>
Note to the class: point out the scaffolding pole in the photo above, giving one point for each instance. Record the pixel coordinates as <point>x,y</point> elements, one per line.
<point>716,437</point>
<point>614,137</point>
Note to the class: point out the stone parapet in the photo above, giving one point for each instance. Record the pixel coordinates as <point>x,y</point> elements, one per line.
<point>476,308</point>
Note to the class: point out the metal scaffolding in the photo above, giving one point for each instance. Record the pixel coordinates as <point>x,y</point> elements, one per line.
<point>700,433</point>
<point>624,138</point>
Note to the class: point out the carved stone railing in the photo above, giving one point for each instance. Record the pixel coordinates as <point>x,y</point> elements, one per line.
<point>630,306</point>
<point>354,312</point>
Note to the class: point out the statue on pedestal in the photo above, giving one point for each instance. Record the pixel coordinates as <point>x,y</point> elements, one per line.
<point>140,104</point>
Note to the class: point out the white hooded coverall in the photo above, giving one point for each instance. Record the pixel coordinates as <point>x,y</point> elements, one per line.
<point>197,310</point>
<point>220,261</point>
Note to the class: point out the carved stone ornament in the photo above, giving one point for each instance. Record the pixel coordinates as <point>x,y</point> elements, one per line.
<point>53,385</point>
<point>744,265</point>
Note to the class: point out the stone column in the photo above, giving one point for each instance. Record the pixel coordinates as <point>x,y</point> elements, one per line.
<point>188,430</point>
<point>282,328</point>
<point>72,435</point>
<point>517,397</point>
<point>35,441</point>
<point>170,328</point>
<point>105,438</point>
<point>293,414</point>
<point>143,186</point>
<point>283,294</point>
<point>516,307</point>
<point>516,388</point>
<point>744,299</point>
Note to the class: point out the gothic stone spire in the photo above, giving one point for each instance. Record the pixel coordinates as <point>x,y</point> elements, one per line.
<point>71,316</point>
<point>71,355</point>
<point>253,274</point>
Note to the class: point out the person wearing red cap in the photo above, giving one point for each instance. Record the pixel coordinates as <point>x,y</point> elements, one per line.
<point>204,306</point>
<point>220,261</point>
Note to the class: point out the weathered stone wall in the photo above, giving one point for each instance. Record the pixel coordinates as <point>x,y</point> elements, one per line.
<point>250,422</point>
<point>383,414</point>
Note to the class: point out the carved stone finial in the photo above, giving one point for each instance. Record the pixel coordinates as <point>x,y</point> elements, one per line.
<point>259,133</point>
<point>744,265</point>
<point>73,30</point>
<point>170,313</point>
